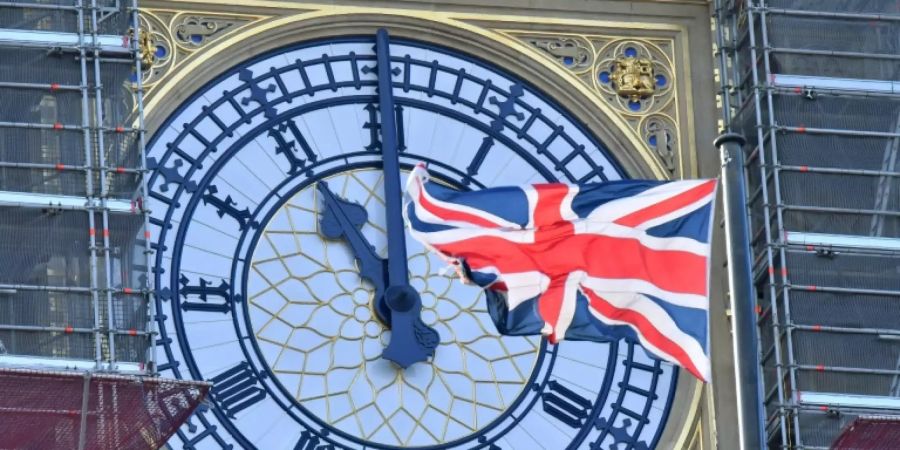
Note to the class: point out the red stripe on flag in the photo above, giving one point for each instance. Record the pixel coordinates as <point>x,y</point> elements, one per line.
<point>452,215</point>
<point>667,206</point>
<point>550,305</point>
<point>600,256</point>
<point>550,197</point>
<point>646,329</point>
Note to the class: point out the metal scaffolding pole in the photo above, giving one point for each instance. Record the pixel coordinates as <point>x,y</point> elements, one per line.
<point>75,292</point>
<point>148,289</point>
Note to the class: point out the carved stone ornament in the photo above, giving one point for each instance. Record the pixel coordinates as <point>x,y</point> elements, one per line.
<point>660,134</point>
<point>573,53</point>
<point>633,77</point>
<point>194,30</point>
<point>169,38</point>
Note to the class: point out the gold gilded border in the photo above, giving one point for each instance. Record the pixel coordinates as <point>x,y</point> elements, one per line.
<point>231,44</point>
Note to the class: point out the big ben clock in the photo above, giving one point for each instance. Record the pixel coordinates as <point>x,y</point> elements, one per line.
<point>275,249</point>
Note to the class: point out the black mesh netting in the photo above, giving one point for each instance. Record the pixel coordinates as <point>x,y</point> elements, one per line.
<point>48,344</point>
<point>840,112</point>
<point>819,429</point>
<point>829,33</point>
<point>846,270</point>
<point>834,190</point>
<point>877,384</point>
<point>860,351</point>
<point>835,66</point>
<point>834,151</point>
<point>861,6</point>
<point>842,223</point>
<point>845,310</point>
<point>44,247</point>
<point>41,19</point>
<point>20,16</point>
<point>46,308</point>
<point>46,410</point>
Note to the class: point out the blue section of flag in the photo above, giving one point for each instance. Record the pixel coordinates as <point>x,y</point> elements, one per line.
<point>690,320</point>
<point>420,225</point>
<point>590,196</point>
<point>694,225</point>
<point>512,208</point>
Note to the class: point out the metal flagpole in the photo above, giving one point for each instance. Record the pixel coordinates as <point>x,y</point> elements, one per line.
<point>740,284</point>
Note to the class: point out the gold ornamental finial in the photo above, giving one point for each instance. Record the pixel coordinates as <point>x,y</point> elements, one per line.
<point>633,77</point>
<point>145,47</point>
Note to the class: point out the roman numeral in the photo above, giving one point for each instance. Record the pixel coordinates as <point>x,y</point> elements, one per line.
<point>191,444</point>
<point>401,135</point>
<point>204,290</point>
<point>287,148</point>
<point>229,207</point>
<point>478,160</point>
<point>565,404</point>
<point>309,441</point>
<point>374,128</point>
<point>490,446</point>
<point>236,389</point>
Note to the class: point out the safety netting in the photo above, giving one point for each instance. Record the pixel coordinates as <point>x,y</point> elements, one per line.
<point>870,433</point>
<point>49,410</point>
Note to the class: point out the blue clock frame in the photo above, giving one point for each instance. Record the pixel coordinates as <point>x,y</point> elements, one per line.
<point>605,420</point>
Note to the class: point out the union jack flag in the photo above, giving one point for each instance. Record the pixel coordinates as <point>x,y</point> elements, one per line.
<point>605,261</point>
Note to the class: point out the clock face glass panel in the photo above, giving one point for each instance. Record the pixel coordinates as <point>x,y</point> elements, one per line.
<point>252,296</point>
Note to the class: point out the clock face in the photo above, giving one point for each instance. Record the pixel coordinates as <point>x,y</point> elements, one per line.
<point>252,296</point>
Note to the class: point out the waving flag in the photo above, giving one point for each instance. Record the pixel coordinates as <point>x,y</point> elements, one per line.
<point>624,259</point>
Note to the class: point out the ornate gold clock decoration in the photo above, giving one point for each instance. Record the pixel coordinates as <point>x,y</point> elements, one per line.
<point>146,48</point>
<point>183,35</point>
<point>169,38</point>
<point>636,76</point>
<point>633,77</point>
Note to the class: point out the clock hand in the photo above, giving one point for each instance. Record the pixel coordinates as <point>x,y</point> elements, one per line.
<point>343,219</point>
<point>411,339</point>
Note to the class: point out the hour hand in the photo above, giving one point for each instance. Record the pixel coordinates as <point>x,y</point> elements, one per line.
<point>341,219</point>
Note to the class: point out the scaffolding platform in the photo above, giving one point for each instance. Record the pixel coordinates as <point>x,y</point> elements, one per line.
<point>77,317</point>
<point>49,410</point>
<point>812,85</point>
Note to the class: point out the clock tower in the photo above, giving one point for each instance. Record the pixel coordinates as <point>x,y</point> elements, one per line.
<point>271,193</point>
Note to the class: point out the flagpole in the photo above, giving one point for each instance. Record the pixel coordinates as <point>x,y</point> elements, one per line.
<point>751,422</point>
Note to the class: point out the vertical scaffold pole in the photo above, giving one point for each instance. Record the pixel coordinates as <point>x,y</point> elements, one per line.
<point>740,284</point>
<point>138,125</point>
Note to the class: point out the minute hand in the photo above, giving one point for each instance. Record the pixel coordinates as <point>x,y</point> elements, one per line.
<point>411,339</point>
<point>397,269</point>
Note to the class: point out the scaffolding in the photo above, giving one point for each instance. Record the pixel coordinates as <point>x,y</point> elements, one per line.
<point>814,86</point>
<point>75,293</point>
<point>74,283</point>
